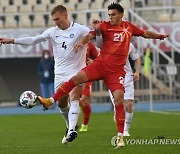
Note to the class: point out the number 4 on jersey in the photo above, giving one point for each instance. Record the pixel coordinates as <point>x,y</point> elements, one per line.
<point>64,45</point>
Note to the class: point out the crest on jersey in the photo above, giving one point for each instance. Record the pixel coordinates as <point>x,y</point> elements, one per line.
<point>71,35</point>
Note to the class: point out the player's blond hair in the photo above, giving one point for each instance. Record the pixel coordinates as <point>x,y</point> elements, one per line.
<point>58,8</point>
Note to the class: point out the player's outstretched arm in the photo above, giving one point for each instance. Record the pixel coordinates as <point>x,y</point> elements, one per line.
<point>83,41</point>
<point>6,41</point>
<point>153,35</point>
<point>23,41</point>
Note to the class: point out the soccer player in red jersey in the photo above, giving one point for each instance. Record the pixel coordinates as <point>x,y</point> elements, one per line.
<point>109,66</point>
<point>84,103</point>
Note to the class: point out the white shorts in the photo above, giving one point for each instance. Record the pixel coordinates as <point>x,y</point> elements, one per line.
<point>59,80</point>
<point>129,92</point>
<point>129,87</point>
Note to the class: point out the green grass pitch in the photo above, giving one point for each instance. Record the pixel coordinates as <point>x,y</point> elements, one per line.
<point>42,134</point>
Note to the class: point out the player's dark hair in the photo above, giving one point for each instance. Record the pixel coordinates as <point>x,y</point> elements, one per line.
<point>58,8</point>
<point>116,6</point>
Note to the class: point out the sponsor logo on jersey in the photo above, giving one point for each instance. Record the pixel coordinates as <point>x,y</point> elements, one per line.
<point>71,35</point>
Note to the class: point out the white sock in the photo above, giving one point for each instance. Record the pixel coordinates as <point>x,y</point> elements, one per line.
<point>52,99</point>
<point>128,119</point>
<point>73,114</point>
<point>64,112</point>
<point>120,134</point>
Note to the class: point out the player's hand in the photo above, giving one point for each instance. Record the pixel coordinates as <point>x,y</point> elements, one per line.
<point>6,41</point>
<point>136,76</point>
<point>95,23</point>
<point>77,46</point>
<point>162,37</point>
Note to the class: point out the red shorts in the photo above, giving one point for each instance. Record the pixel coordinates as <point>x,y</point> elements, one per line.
<point>87,89</point>
<point>113,75</point>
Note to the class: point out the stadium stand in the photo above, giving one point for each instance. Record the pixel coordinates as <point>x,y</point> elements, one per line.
<point>1,24</point>
<point>47,2</point>
<point>24,21</point>
<point>31,2</point>
<point>10,22</point>
<point>98,4</point>
<point>164,17</point>
<point>4,3</point>
<point>176,16</point>
<point>38,21</point>
<point>10,9</point>
<point>1,9</point>
<point>24,8</point>
<point>16,2</point>
<point>51,6</point>
<point>82,6</point>
<point>81,18</point>
<point>94,15</point>
<point>70,6</point>
<point>40,8</point>
<point>176,2</point>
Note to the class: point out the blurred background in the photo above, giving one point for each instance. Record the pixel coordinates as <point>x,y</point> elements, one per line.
<point>159,85</point>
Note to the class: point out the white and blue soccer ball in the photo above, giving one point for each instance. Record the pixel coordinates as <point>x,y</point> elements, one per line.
<point>28,99</point>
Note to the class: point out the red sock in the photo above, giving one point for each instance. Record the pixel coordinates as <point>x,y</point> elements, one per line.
<point>64,89</point>
<point>86,110</point>
<point>120,117</point>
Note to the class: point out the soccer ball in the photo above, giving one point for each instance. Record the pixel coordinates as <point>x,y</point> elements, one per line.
<point>28,99</point>
<point>114,141</point>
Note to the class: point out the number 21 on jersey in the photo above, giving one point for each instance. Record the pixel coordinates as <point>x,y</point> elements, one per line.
<point>118,37</point>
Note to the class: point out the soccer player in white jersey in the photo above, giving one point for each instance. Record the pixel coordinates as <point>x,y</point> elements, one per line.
<point>67,63</point>
<point>130,77</point>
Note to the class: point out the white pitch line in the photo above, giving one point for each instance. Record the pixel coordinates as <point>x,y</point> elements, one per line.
<point>163,112</point>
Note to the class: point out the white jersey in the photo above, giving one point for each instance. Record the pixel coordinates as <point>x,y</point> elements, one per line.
<point>133,53</point>
<point>67,62</point>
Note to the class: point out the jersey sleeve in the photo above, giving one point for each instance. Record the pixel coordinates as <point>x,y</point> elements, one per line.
<point>134,54</point>
<point>84,30</point>
<point>102,27</point>
<point>92,32</point>
<point>135,30</point>
<point>93,53</point>
<point>29,40</point>
<point>33,40</point>
<point>47,33</point>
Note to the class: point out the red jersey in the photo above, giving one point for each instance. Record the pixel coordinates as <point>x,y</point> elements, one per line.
<point>91,53</point>
<point>116,41</point>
